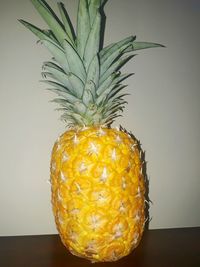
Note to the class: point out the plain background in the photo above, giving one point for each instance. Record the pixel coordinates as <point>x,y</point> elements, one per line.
<point>163,111</point>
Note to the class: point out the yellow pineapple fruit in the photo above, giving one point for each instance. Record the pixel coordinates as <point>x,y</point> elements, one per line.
<point>98,192</point>
<point>98,185</point>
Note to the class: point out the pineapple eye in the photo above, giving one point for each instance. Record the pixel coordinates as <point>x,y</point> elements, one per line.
<point>128,167</point>
<point>137,217</point>
<point>123,183</point>
<point>73,236</point>
<point>82,167</point>
<point>60,218</point>
<point>75,211</point>
<point>63,177</point>
<point>91,247</point>
<point>118,230</point>
<point>138,195</point>
<point>104,175</point>
<point>65,157</point>
<point>118,139</point>
<point>133,146</point>
<point>53,166</point>
<point>100,132</point>
<point>114,155</point>
<point>78,188</point>
<point>95,221</point>
<point>59,196</point>
<point>93,149</point>
<point>100,197</point>
<point>58,146</point>
<point>135,238</point>
<point>75,140</point>
<point>122,207</point>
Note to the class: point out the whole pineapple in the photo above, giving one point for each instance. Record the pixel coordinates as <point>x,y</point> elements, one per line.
<point>98,186</point>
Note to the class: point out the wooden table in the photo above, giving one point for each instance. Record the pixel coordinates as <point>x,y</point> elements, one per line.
<point>158,248</point>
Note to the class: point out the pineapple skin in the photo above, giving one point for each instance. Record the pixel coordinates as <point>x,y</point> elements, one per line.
<point>98,192</point>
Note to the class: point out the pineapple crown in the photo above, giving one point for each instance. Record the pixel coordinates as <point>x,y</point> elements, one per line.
<point>85,75</point>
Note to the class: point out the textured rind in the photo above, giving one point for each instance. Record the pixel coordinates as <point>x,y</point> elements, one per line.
<point>98,192</point>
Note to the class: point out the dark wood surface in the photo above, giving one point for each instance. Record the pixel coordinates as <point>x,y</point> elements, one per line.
<point>158,248</point>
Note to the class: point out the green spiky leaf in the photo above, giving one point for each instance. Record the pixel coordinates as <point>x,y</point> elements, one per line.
<point>54,71</point>
<point>76,84</point>
<point>75,63</point>
<point>114,53</point>
<point>94,6</point>
<point>93,41</point>
<point>41,34</point>
<point>83,27</point>
<point>106,84</point>
<point>115,67</point>
<point>142,45</point>
<point>94,71</point>
<point>65,95</point>
<point>106,52</point>
<point>66,22</point>
<point>58,53</point>
<point>86,77</point>
<point>51,19</point>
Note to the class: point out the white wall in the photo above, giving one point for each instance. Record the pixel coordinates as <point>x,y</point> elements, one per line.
<point>163,111</point>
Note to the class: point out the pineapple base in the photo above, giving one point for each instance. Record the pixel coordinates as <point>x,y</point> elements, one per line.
<point>98,192</point>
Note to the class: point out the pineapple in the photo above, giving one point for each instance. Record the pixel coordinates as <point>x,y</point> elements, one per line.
<point>97,172</point>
